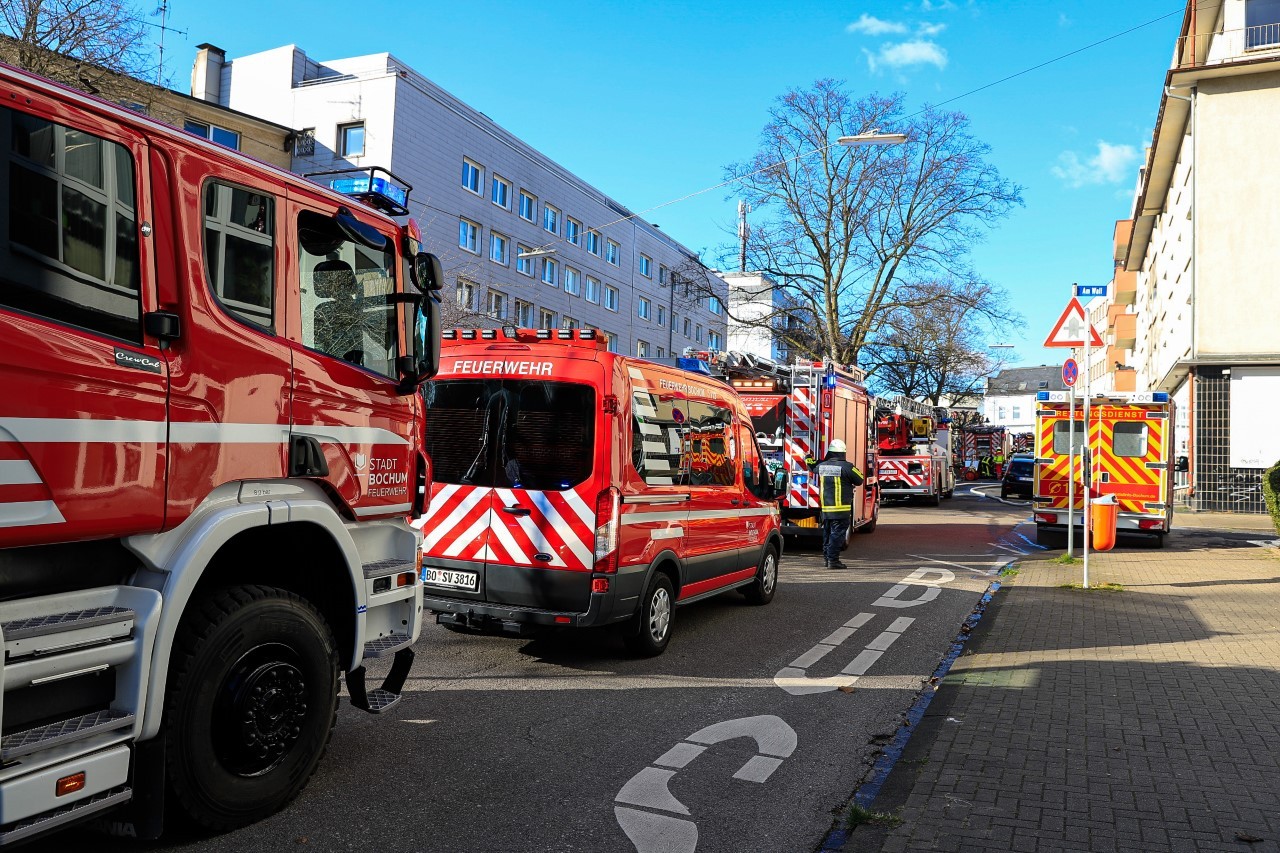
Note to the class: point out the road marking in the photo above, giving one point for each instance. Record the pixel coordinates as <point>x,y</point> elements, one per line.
<point>1009,548</point>
<point>649,789</point>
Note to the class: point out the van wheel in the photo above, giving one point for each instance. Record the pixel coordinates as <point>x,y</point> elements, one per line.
<point>1047,538</point>
<point>251,704</point>
<point>761,590</point>
<point>870,526</point>
<point>656,611</point>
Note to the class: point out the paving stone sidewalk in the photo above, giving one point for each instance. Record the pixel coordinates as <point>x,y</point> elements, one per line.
<point>1143,719</point>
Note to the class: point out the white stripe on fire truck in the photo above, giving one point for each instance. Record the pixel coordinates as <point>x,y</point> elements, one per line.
<point>18,472</point>
<point>642,517</point>
<point>29,514</point>
<point>585,513</point>
<point>470,536</point>
<point>455,517</point>
<point>102,430</point>
<point>563,528</point>
<point>508,541</point>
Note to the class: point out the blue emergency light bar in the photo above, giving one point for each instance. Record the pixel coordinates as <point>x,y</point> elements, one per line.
<point>389,194</point>
<point>361,186</point>
<point>694,365</point>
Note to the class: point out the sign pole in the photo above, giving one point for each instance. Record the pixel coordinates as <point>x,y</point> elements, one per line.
<point>1071,467</point>
<point>1086,468</point>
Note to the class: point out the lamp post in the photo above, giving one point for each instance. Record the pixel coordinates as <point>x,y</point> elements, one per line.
<point>872,137</point>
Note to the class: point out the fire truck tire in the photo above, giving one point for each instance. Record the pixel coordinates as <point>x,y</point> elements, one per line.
<point>935,499</point>
<point>761,590</point>
<point>657,608</point>
<point>251,705</point>
<point>870,526</point>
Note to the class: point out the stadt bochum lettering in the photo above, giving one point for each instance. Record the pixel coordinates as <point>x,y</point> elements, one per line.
<point>520,368</point>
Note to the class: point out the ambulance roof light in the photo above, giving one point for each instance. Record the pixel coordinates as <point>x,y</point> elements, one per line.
<point>1042,396</point>
<point>1160,396</point>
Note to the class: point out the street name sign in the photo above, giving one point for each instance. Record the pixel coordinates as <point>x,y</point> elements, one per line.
<point>1088,291</point>
<point>1072,329</point>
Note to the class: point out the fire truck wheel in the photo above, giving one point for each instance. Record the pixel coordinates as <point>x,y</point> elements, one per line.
<point>870,526</point>
<point>761,590</point>
<point>252,702</point>
<point>656,610</point>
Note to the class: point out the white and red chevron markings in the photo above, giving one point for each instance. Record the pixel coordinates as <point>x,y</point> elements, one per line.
<point>25,500</point>
<point>468,523</point>
<point>799,446</point>
<point>895,470</point>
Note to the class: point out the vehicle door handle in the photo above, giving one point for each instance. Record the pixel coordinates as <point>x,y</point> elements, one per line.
<point>735,502</point>
<point>516,510</point>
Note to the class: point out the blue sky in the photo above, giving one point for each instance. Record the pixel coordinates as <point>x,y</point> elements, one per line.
<point>649,101</point>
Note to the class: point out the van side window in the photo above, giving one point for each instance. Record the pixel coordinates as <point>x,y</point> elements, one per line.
<point>657,421</point>
<point>1129,439</point>
<point>69,250</point>
<point>1062,438</point>
<point>239,251</point>
<point>709,445</point>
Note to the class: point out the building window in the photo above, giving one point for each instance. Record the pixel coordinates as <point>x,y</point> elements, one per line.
<point>611,297</point>
<point>497,305</point>
<point>466,294</point>
<point>469,236</point>
<point>642,349</point>
<point>471,176</point>
<point>69,198</point>
<point>697,333</point>
<point>713,302</point>
<point>713,340</point>
<point>524,263</point>
<point>1016,412</point>
<point>546,319</point>
<point>239,227</point>
<point>500,194</point>
<point>662,352</point>
<point>662,274</point>
<point>497,248</point>
<point>1001,413</point>
<point>550,219</point>
<point>572,282</point>
<point>610,341</point>
<point>687,324</point>
<point>572,230</point>
<point>570,323</point>
<point>528,206</point>
<point>524,314</point>
<point>662,315</point>
<point>593,243</point>
<point>220,135</point>
<point>592,293</point>
<point>646,266</point>
<point>351,140</point>
<point>675,321</point>
<point>612,252</point>
<point>1262,23</point>
<point>550,272</point>
<point>642,308</point>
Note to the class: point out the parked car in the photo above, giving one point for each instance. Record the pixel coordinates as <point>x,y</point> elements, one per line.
<point>1019,476</point>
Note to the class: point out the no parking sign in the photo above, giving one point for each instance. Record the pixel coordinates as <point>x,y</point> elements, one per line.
<point>1070,372</point>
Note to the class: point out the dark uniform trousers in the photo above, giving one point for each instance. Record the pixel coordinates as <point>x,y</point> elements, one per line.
<point>837,479</point>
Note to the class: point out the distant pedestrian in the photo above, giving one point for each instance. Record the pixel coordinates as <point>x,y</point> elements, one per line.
<point>837,480</point>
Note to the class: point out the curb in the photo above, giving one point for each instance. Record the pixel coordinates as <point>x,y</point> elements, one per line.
<point>867,792</point>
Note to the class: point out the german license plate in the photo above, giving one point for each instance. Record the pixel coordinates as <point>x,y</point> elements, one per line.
<point>469,581</point>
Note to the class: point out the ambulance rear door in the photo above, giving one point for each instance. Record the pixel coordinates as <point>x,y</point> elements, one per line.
<point>1131,459</point>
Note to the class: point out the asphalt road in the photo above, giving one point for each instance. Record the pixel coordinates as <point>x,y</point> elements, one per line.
<point>750,733</point>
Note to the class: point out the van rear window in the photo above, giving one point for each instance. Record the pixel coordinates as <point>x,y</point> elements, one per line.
<point>510,433</point>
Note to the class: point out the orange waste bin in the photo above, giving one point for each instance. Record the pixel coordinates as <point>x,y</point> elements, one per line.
<point>1103,512</point>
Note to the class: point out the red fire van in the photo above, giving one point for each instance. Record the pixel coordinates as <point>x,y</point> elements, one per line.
<point>574,486</point>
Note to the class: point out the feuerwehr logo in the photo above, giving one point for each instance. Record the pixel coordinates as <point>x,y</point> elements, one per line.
<point>361,461</point>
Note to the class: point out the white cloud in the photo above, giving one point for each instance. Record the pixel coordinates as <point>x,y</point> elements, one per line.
<point>869,25</point>
<point>930,30</point>
<point>907,53</point>
<point>936,5</point>
<point>1112,164</point>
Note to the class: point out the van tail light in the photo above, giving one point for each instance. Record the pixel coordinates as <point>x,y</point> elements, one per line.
<point>1047,517</point>
<point>1150,523</point>
<point>608,507</point>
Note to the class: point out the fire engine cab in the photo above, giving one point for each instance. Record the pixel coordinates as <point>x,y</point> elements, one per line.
<point>209,444</point>
<point>577,487</point>
<point>1128,454</point>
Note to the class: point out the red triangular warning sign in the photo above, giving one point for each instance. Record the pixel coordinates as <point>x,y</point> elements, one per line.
<point>1071,328</point>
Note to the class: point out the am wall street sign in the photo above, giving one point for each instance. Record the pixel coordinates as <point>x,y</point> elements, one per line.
<point>1088,291</point>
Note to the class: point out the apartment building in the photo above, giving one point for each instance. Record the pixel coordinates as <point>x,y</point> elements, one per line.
<point>1201,252</point>
<point>523,240</point>
<point>1010,397</point>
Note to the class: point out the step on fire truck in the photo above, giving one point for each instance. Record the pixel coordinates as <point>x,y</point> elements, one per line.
<point>797,410</point>
<point>913,445</point>
<point>1129,454</point>
<point>209,445</point>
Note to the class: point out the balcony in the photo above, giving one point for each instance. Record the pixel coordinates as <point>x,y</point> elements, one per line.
<point>1126,379</point>
<point>1222,48</point>
<point>1125,331</point>
<point>1120,239</point>
<point>1126,287</point>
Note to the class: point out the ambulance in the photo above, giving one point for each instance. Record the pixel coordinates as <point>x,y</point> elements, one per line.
<point>576,487</point>
<point>1129,454</point>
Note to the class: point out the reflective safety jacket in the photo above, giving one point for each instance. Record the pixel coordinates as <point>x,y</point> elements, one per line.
<point>837,479</point>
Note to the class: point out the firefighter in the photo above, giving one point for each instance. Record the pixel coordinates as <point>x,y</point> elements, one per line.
<point>837,479</point>
<point>999,463</point>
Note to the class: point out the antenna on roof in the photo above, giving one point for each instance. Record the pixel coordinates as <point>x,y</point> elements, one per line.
<point>162,11</point>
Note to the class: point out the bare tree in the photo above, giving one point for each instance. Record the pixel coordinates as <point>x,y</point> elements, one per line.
<point>937,351</point>
<point>104,36</point>
<point>847,228</point>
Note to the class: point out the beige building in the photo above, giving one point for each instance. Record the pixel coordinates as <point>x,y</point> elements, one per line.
<point>1202,255</point>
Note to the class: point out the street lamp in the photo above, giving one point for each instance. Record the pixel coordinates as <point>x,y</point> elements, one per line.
<point>872,137</point>
<point>533,253</point>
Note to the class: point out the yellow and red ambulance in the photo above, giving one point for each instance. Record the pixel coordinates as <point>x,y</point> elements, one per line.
<point>1129,454</point>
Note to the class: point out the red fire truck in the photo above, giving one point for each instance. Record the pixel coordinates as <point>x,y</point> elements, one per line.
<point>914,451</point>
<point>577,487</point>
<point>798,409</point>
<point>209,444</point>
<point>1130,455</point>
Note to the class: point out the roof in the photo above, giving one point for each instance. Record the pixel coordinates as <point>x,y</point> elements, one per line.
<point>1026,380</point>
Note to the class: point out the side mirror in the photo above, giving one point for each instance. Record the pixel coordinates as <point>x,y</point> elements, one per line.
<point>359,232</point>
<point>424,357</point>
<point>427,273</point>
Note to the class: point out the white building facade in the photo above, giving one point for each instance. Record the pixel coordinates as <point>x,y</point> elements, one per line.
<point>522,240</point>
<point>1204,252</point>
<point>755,302</point>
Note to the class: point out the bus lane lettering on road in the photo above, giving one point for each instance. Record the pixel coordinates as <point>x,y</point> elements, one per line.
<point>651,831</point>
<point>926,584</point>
